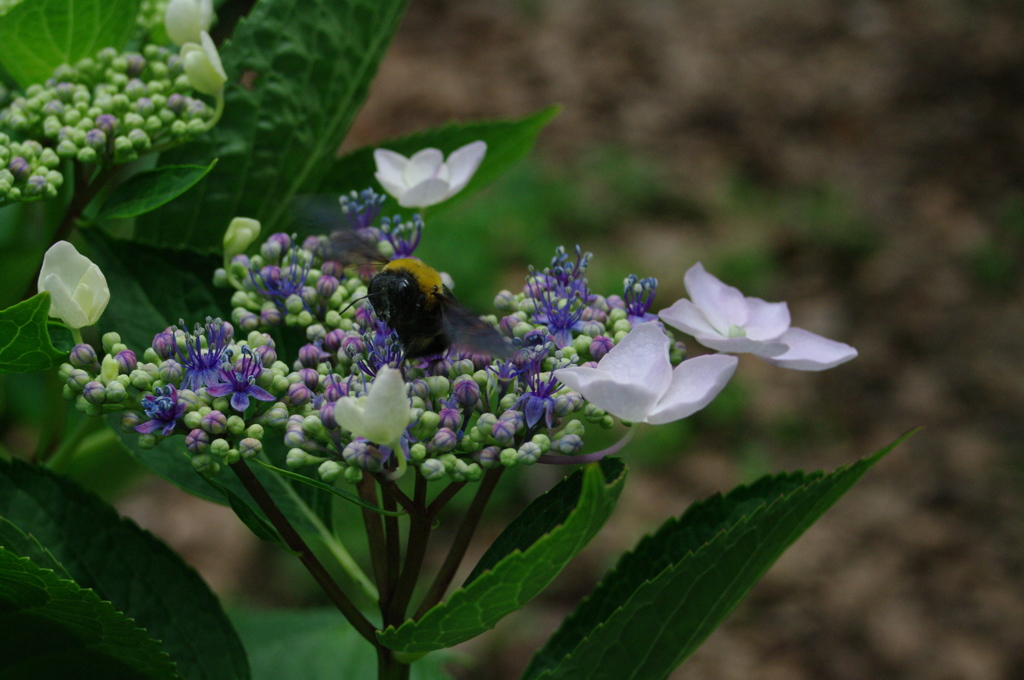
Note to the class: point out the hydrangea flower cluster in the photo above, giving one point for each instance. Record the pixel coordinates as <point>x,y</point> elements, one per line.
<point>112,108</point>
<point>349,401</point>
<point>27,171</point>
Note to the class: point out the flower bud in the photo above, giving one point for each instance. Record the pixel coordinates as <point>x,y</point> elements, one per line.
<point>330,470</point>
<point>504,431</point>
<point>219,448</point>
<point>450,418</point>
<point>94,392</point>
<point>432,469</point>
<point>170,371</point>
<point>297,394</point>
<point>363,455</point>
<point>203,464</point>
<point>197,441</point>
<point>466,393</point>
<point>310,378</point>
<point>444,440</point>
<point>83,356</point>
<point>240,234</point>
<point>568,445</point>
<point>295,438</point>
<point>203,66</point>
<point>249,447</point>
<point>488,457</point>
<point>271,317</point>
<point>126,361</point>
<point>439,366</point>
<point>310,355</point>
<point>214,422</point>
<point>115,393</point>
<point>78,290</point>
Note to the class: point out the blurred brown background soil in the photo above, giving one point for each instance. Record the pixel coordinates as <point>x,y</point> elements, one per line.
<point>912,113</point>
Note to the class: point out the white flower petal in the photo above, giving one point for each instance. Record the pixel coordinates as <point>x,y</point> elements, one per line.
<point>629,380</point>
<point>687,317</point>
<point>462,165</point>
<point>640,358</point>
<point>427,192</point>
<point>742,345</point>
<point>63,259</point>
<point>349,412</point>
<point>723,305</point>
<point>390,167</point>
<point>695,382</point>
<point>628,401</point>
<point>424,164</point>
<point>811,352</point>
<point>394,188</point>
<point>78,290</point>
<point>213,55</point>
<point>382,415</point>
<point>766,320</point>
<point>205,75</point>
<point>205,14</point>
<point>183,21</point>
<point>92,294</point>
<point>62,306</point>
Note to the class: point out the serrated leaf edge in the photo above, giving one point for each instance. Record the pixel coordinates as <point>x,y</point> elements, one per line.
<point>868,462</point>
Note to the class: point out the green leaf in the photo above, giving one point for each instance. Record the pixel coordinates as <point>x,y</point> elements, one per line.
<point>127,566</point>
<point>314,644</point>
<point>664,598</point>
<point>151,189</point>
<point>317,484</point>
<point>307,66</point>
<point>40,35</point>
<point>25,341</point>
<point>169,460</point>
<point>151,289</point>
<point>549,533</point>
<point>508,141</point>
<point>51,625</point>
<point>25,545</point>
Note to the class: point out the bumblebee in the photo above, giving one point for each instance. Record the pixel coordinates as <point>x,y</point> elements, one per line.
<point>410,297</point>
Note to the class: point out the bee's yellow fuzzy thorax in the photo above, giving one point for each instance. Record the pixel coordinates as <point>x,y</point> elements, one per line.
<point>426,276</point>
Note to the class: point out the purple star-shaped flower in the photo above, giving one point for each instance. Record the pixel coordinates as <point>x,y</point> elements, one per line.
<point>163,409</point>
<point>239,380</point>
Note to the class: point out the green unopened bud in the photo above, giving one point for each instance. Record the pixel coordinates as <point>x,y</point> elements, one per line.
<point>573,427</point>
<point>439,385</point>
<point>203,464</point>
<point>472,472</point>
<point>432,469</point>
<point>353,475</point>
<point>203,66</point>
<point>219,448</point>
<point>116,393</point>
<point>236,424</point>
<point>330,470</point>
<point>418,451</point>
<point>241,233</point>
<point>147,441</point>
<point>109,370</point>
<point>509,457</point>
<point>255,431</point>
<point>249,447</point>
